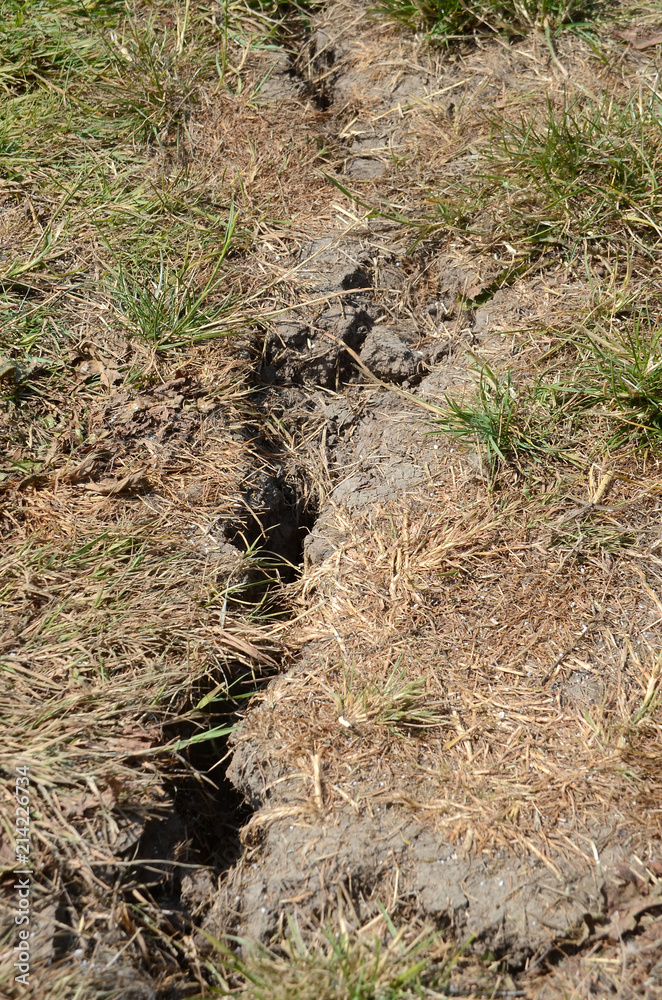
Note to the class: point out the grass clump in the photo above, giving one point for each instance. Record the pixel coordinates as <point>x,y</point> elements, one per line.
<point>339,965</point>
<point>169,309</point>
<point>579,173</point>
<point>396,703</point>
<point>619,377</point>
<point>508,422</point>
<point>607,399</point>
<point>583,171</point>
<point>40,39</point>
<point>448,20</point>
<point>94,124</point>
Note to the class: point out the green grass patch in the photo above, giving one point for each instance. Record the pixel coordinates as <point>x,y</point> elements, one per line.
<point>561,178</point>
<point>339,965</point>
<point>514,420</point>
<point>94,140</point>
<point>109,233</point>
<point>39,39</point>
<point>619,379</point>
<point>584,171</point>
<point>606,398</point>
<point>445,21</point>
<point>583,174</point>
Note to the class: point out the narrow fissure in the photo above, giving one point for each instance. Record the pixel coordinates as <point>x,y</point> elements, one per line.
<point>182,855</point>
<point>421,758</point>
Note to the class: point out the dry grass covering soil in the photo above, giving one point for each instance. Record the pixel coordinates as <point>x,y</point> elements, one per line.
<point>447,258</point>
<point>133,471</point>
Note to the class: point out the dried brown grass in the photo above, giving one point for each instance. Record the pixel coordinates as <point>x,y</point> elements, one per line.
<point>533,651</point>
<point>538,659</point>
<point>127,620</point>
<point>113,636</point>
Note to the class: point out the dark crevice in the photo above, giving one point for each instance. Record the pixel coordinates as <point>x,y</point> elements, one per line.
<point>276,523</point>
<point>310,67</point>
<point>320,98</point>
<point>203,823</point>
<point>207,812</point>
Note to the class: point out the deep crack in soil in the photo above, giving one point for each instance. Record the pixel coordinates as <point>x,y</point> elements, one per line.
<point>457,724</point>
<point>349,817</point>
